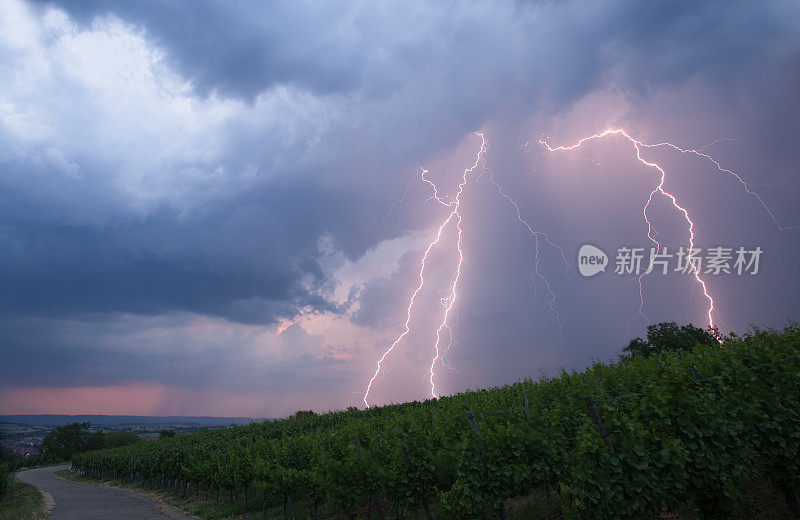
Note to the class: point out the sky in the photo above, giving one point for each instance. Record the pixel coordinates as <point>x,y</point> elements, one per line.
<point>222,209</point>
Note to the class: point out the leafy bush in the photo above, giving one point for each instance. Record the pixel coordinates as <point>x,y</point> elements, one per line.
<point>668,336</point>
<point>64,442</point>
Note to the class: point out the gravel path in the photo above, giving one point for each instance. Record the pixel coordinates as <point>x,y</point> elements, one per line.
<point>83,501</point>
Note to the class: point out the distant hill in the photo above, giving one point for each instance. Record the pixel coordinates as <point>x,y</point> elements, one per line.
<point>124,420</point>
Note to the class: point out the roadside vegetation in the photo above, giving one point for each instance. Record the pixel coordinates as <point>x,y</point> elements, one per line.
<point>13,461</point>
<point>20,501</point>
<point>64,442</point>
<point>702,430</point>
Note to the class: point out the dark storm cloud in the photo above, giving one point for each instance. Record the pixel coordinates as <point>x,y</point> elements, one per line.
<point>105,349</point>
<point>250,48</point>
<point>409,79</point>
<point>161,264</point>
<point>301,120</point>
<point>344,47</point>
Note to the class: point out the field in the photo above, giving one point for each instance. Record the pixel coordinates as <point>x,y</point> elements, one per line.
<point>683,433</point>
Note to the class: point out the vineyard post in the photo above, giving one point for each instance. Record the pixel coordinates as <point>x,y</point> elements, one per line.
<point>598,421</point>
<point>312,507</point>
<point>527,408</point>
<point>425,505</point>
<point>372,496</point>
<point>474,427</point>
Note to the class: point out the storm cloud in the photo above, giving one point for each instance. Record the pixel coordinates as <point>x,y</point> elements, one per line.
<point>232,167</point>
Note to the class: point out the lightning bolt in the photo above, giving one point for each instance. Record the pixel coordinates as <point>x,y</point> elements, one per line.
<point>659,189</point>
<point>725,171</point>
<point>537,235</point>
<point>454,216</point>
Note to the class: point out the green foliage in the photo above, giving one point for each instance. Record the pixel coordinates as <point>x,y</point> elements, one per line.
<point>668,336</point>
<point>691,425</point>
<point>165,433</point>
<point>10,459</point>
<point>5,479</point>
<point>64,442</point>
<point>115,439</point>
<point>99,440</point>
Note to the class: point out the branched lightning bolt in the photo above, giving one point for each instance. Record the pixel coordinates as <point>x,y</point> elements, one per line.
<point>747,187</point>
<point>454,217</point>
<point>454,205</point>
<point>537,235</point>
<point>659,189</point>
<point>401,199</point>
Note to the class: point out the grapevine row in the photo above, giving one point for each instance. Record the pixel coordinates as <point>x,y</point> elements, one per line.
<point>680,427</point>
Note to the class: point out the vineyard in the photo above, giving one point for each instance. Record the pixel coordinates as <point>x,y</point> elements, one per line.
<point>626,440</point>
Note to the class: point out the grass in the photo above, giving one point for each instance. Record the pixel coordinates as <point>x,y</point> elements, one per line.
<point>542,504</point>
<point>203,505</point>
<point>24,502</point>
<point>763,502</point>
<point>74,477</point>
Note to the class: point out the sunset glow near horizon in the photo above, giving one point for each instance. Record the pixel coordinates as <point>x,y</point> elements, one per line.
<point>266,209</point>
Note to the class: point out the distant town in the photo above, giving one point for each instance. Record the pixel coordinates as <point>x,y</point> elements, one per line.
<point>24,433</point>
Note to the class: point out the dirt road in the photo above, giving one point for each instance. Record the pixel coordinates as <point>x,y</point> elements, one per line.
<point>81,501</point>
